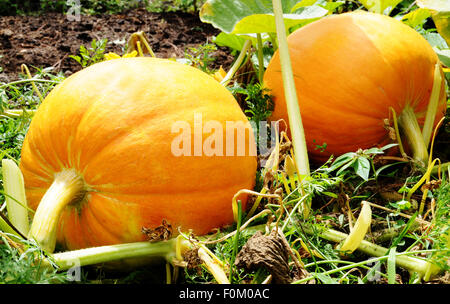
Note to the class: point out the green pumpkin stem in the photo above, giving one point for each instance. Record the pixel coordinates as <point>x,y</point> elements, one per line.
<point>428,125</point>
<point>138,253</point>
<point>411,130</point>
<point>68,187</point>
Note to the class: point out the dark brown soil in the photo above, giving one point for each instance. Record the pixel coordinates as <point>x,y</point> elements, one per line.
<point>48,40</point>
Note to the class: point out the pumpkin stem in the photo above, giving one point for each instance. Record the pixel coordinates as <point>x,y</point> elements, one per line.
<point>137,253</point>
<point>237,63</point>
<point>68,187</point>
<point>111,253</point>
<point>137,41</point>
<point>432,105</point>
<point>411,129</point>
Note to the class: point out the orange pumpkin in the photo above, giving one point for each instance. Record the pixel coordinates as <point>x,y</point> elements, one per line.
<point>349,69</point>
<point>103,140</point>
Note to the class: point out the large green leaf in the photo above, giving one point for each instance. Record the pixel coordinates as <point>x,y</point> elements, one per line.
<point>326,4</point>
<point>444,56</point>
<point>416,17</point>
<point>254,16</point>
<point>436,5</point>
<point>440,46</point>
<point>235,42</point>
<point>380,6</point>
<point>440,12</point>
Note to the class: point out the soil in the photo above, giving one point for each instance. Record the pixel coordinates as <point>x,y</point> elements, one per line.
<point>48,40</point>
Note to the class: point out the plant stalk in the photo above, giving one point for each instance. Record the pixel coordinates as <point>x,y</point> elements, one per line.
<point>135,43</point>
<point>68,187</point>
<point>432,105</point>
<point>13,113</point>
<point>424,268</point>
<point>295,119</point>
<point>171,251</point>
<point>27,81</point>
<point>213,266</point>
<point>16,202</point>
<point>236,65</point>
<point>104,254</point>
<point>442,167</point>
<point>411,129</point>
<point>259,49</point>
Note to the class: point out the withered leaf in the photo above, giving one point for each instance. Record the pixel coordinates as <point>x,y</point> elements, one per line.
<point>268,251</point>
<point>160,233</point>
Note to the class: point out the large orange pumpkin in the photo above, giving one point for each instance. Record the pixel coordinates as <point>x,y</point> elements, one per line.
<point>107,132</point>
<point>349,69</point>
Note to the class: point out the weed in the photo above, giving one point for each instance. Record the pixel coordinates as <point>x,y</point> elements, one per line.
<point>201,56</point>
<point>93,54</point>
<point>25,267</point>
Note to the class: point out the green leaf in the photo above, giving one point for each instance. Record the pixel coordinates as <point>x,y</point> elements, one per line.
<point>254,16</point>
<point>440,12</point>
<point>303,3</point>
<point>344,167</point>
<point>373,151</point>
<point>328,5</point>
<point>234,42</point>
<point>16,202</point>
<point>402,205</point>
<point>330,194</point>
<point>416,17</point>
<point>435,5</point>
<point>331,6</point>
<point>388,147</point>
<point>436,41</point>
<point>391,265</point>
<point>380,6</point>
<point>341,160</point>
<point>362,167</point>
<point>5,227</point>
<point>377,173</point>
<point>444,56</point>
<point>326,279</point>
<point>265,23</point>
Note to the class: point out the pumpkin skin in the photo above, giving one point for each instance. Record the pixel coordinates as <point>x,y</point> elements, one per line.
<point>111,122</point>
<point>348,70</point>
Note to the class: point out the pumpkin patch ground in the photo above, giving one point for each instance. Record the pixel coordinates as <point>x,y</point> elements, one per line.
<point>225,142</point>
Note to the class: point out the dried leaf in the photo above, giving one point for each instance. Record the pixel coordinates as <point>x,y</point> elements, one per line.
<point>269,252</point>
<point>160,233</point>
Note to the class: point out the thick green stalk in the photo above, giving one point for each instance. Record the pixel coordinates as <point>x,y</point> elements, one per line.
<point>104,254</point>
<point>411,129</point>
<point>13,113</point>
<point>424,268</point>
<point>432,105</point>
<point>67,187</point>
<point>259,49</point>
<point>138,253</point>
<point>236,237</point>
<point>16,202</point>
<point>295,119</point>
<point>5,226</point>
<point>237,63</point>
